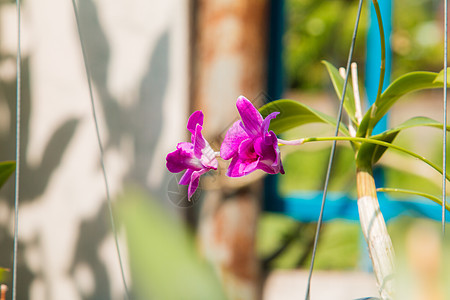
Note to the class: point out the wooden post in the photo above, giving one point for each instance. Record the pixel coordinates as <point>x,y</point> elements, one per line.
<point>229,60</point>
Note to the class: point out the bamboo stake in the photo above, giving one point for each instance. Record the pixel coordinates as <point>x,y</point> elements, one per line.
<point>375,232</point>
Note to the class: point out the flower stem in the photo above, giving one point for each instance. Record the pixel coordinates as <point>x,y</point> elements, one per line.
<point>358,112</point>
<point>375,232</point>
<point>364,140</point>
<point>291,142</point>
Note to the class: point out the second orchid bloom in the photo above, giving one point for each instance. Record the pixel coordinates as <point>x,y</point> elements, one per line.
<point>248,143</point>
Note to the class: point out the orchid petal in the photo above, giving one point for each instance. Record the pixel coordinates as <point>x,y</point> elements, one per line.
<point>271,138</point>
<point>198,141</point>
<point>208,158</point>
<point>266,122</point>
<point>265,151</point>
<point>251,118</point>
<point>195,180</point>
<point>239,167</point>
<point>269,152</point>
<point>233,168</point>
<point>268,169</point>
<point>186,178</point>
<point>248,167</point>
<point>234,137</point>
<point>247,150</point>
<point>182,158</point>
<point>195,118</point>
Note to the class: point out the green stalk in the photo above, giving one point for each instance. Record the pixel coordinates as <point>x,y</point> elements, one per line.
<point>372,141</point>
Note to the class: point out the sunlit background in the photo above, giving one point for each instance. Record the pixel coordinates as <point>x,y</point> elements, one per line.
<point>152,64</point>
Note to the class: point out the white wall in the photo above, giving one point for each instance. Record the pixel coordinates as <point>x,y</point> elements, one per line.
<point>137,51</point>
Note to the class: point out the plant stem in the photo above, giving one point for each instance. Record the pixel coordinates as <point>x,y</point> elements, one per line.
<point>358,112</point>
<point>375,232</point>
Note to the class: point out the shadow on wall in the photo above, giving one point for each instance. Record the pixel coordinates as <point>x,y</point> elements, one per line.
<point>141,122</point>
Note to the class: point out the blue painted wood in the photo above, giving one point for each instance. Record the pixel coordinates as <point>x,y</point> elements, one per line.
<point>305,205</point>
<point>373,60</point>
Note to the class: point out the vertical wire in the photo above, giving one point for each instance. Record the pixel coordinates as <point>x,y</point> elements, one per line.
<point>333,151</point>
<point>444,134</point>
<point>102,163</point>
<point>17,177</point>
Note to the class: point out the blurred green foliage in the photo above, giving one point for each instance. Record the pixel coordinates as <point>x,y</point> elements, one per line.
<point>163,258</point>
<point>339,244</point>
<point>4,275</point>
<point>417,37</point>
<point>318,29</point>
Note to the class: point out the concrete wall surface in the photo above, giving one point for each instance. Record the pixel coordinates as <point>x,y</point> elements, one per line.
<point>137,53</point>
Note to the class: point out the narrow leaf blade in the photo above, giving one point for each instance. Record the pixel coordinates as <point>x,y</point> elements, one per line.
<point>294,114</point>
<point>405,84</point>
<point>415,122</point>
<point>416,193</point>
<point>372,153</point>
<point>338,84</point>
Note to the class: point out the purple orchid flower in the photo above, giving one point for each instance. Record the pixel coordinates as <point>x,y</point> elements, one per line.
<point>196,157</point>
<point>250,144</point>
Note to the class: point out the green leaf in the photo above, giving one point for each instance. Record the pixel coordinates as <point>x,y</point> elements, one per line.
<point>164,261</point>
<point>6,169</point>
<point>410,192</point>
<point>294,114</point>
<point>338,83</point>
<point>407,83</point>
<point>414,122</point>
<point>369,154</point>
<point>372,153</point>
<point>440,77</point>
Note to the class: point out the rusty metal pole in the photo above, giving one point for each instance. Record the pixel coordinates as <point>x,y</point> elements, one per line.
<point>229,59</point>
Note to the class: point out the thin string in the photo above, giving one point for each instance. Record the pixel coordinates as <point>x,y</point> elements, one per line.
<point>108,197</point>
<point>333,151</point>
<point>16,182</point>
<point>444,134</point>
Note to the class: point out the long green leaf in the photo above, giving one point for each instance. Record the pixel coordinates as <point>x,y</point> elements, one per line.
<point>407,83</point>
<point>377,142</point>
<point>440,76</point>
<point>369,154</point>
<point>338,84</point>
<point>372,153</point>
<point>425,195</point>
<point>414,122</point>
<point>294,114</point>
<point>6,169</point>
